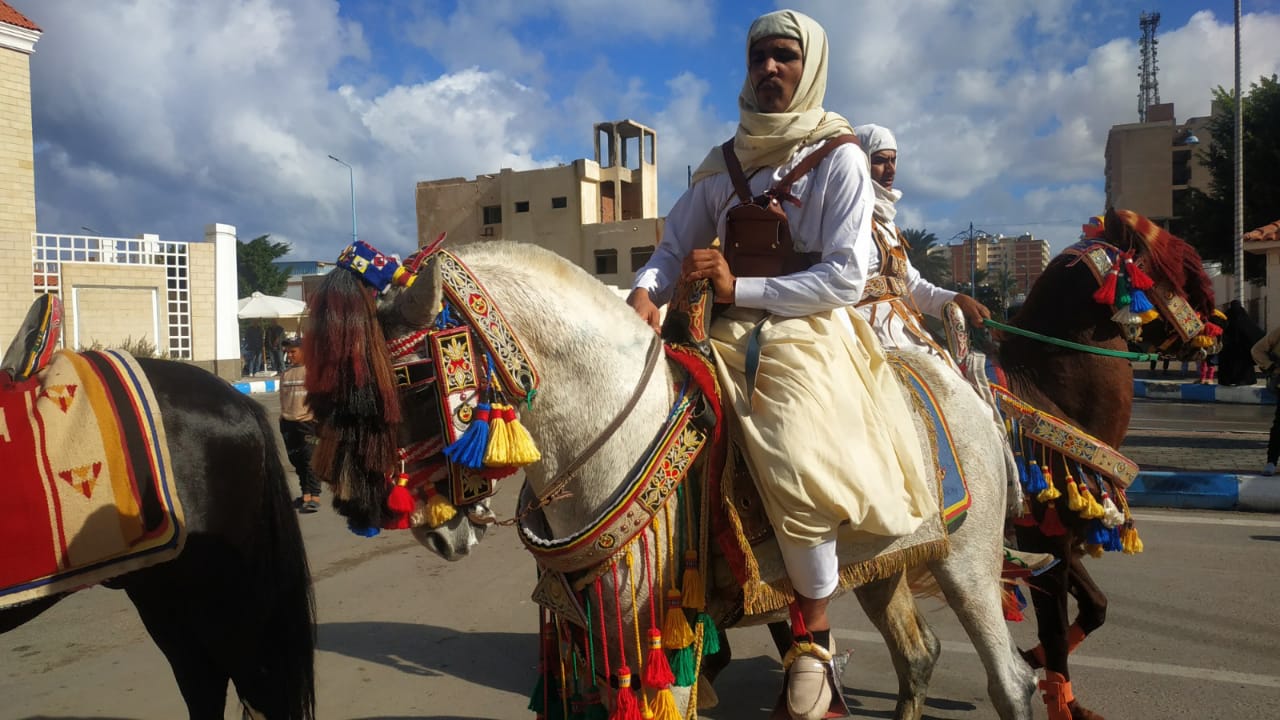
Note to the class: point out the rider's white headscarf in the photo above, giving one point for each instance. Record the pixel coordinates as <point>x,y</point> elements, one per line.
<point>770,139</point>
<point>874,138</point>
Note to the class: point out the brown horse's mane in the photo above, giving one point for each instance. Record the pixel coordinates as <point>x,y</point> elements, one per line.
<point>352,394</point>
<point>1169,257</point>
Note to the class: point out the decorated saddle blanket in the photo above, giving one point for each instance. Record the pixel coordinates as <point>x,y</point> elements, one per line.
<point>87,493</point>
<point>751,560</point>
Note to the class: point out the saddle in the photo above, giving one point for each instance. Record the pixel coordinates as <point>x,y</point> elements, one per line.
<point>37,338</point>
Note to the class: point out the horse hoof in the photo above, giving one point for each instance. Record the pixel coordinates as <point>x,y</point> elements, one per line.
<point>1081,713</point>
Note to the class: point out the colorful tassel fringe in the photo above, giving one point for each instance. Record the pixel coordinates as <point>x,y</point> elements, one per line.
<point>469,450</point>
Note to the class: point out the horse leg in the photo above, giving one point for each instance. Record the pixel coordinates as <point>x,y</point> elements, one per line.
<point>1049,591</point>
<point>970,580</point>
<point>20,615</point>
<point>180,627</point>
<point>912,645</point>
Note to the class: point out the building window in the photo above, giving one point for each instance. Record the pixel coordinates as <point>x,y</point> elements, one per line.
<point>492,214</point>
<point>640,256</point>
<point>606,262</point>
<point>559,202</point>
<point>522,206</point>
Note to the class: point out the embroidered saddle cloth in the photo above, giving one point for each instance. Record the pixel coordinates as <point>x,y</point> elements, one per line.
<point>87,493</point>
<point>749,559</point>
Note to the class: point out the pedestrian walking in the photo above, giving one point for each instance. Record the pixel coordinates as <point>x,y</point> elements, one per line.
<point>1266,353</point>
<point>1239,334</point>
<point>297,426</point>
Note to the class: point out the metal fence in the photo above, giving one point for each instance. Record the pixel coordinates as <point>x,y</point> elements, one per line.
<point>49,252</point>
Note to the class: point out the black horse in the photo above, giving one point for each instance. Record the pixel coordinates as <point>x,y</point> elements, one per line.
<point>236,604</point>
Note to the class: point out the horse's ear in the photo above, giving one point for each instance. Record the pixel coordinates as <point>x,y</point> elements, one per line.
<point>419,304</point>
<point>1119,228</point>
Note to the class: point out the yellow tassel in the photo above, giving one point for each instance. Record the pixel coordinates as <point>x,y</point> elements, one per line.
<point>498,452</point>
<point>1130,543</point>
<point>1094,550</point>
<point>439,509</point>
<point>1148,316</point>
<point>676,633</point>
<point>693,595</point>
<point>1049,493</point>
<point>1086,502</point>
<point>523,451</point>
<point>645,711</point>
<point>664,706</point>
<point>1074,501</point>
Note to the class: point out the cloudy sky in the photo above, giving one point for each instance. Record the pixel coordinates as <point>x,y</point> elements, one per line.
<point>166,115</point>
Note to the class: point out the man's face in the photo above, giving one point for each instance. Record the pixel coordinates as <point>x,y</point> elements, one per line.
<point>293,355</point>
<point>884,166</point>
<point>774,66</point>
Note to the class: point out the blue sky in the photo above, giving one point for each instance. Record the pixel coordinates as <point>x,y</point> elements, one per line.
<point>162,116</point>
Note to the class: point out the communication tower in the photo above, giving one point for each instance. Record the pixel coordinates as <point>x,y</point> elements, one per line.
<point>1148,85</point>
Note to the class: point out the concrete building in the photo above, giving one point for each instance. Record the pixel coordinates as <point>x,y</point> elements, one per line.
<point>177,297</point>
<point>1024,257</point>
<point>1150,165</point>
<point>600,213</point>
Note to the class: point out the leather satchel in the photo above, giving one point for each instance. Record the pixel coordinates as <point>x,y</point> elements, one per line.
<point>757,236</point>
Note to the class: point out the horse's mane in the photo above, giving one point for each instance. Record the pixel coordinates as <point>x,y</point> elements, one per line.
<point>351,392</point>
<point>1169,257</point>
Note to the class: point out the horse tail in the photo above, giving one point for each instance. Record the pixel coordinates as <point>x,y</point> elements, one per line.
<point>289,632</point>
<point>351,390</point>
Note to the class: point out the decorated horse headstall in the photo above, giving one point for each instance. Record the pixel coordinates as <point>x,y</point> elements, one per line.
<point>1136,299</point>
<point>478,373</point>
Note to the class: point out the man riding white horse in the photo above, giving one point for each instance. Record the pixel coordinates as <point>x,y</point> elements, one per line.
<point>824,428</point>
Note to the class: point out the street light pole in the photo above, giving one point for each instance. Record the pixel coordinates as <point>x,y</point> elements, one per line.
<point>1239,173</point>
<point>351,175</point>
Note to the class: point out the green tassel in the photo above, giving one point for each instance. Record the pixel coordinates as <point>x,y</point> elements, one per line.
<point>684,666</point>
<point>595,709</point>
<point>538,698</point>
<point>710,636</point>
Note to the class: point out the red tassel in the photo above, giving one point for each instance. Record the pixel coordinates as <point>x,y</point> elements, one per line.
<point>400,501</point>
<point>625,705</point>
<point>657,671</point>
<point>1106,293</point>
<point>1009,603</point>
<point>1138,278</point>
<point>1051,524</point>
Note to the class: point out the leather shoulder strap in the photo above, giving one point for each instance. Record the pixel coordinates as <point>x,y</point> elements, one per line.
<point>811,161</point>
<point>735,172</point>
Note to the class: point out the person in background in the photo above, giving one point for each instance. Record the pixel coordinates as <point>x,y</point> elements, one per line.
<point>1239,334</point>
<point>1266,353</point>
<point>253,350</point>
<point>297,427</point>
<point>275,338</point>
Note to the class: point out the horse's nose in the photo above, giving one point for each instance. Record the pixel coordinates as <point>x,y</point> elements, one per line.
<point>437,545</point>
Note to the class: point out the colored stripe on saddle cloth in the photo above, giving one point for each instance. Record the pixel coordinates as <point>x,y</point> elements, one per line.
<point>87,492</point>
<point>955,490</point>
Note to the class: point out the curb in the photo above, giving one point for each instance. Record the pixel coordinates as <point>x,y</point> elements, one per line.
<point>1205,491</point>
<point>1192,392</point>
<point>257,386</point>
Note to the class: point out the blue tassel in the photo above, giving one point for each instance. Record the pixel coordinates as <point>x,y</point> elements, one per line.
<point>1098,534</point>
<point>468,450</point>
<point>1138,302</point>
<point>367,532</point>
<point>1113,543</point>
<point>1035,478</point>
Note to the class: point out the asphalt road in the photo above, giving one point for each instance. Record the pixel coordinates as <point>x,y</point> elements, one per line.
<point>1192,631</point>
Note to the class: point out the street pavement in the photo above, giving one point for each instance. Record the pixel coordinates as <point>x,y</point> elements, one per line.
<point>404,635</point>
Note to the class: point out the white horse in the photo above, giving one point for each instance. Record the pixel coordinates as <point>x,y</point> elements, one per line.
<point>590,350</point>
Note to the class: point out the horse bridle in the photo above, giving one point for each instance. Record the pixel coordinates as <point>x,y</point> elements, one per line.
<point>556,488</point>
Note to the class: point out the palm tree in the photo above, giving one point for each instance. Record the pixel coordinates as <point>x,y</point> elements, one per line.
<point>927,255</point>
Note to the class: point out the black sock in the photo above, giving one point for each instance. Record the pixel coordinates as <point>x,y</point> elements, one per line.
<point>821,638</point>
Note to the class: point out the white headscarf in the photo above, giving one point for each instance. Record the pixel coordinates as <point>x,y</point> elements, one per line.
<point>874,138</point>
<point>770,139</point>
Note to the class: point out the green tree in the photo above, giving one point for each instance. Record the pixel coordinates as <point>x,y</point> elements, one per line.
<point>1208,218</point>
<point>254,268</point>
<point>926,255</point>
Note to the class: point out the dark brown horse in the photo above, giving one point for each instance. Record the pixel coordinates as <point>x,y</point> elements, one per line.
<point>235,605</point>
<point>1094,392</point>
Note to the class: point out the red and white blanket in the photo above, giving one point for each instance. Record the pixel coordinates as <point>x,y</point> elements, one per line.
<point>86,488</point>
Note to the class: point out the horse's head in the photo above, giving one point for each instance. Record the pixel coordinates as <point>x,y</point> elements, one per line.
<point>1182,293</point>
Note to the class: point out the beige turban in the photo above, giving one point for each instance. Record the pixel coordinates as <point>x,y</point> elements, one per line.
<point>770,139</point>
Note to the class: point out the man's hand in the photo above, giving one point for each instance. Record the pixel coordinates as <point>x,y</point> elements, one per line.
<point>644,307</point>
<point>710,264</point>
<point>974,311</point>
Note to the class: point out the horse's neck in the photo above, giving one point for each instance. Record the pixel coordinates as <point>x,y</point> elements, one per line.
<point>1091,391</point>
